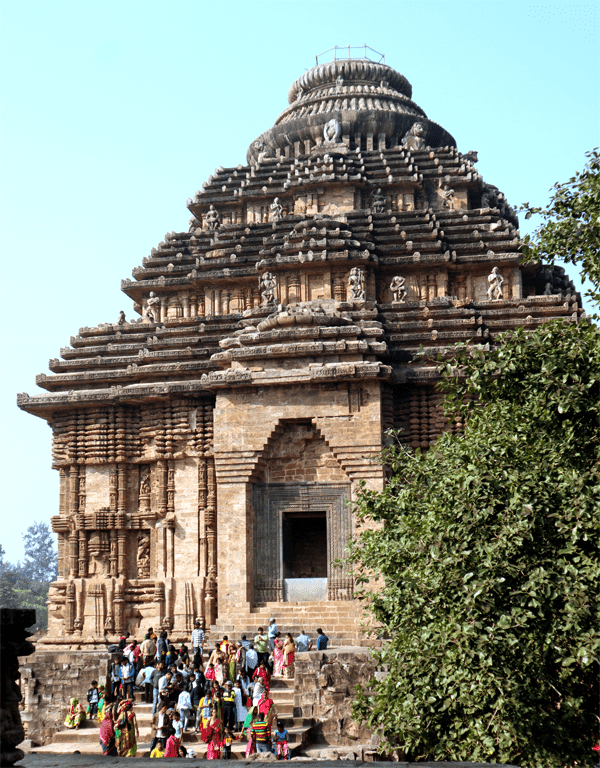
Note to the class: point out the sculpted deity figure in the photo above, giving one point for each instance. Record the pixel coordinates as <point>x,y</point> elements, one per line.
<point>332,131</point>
<point>122,320</point>
<point>356,284</point>
<point>145,483</point>
<point>414,138</point>
<point>263,150</point>
<point>398,288</point>
<point>212,218</point>
<point>276,210</point>
<point>495,281</point>
<point>447,195</point>
<point>143,554</point>
<point>153,308</point>
<point>268,284</point>
<point>378,203</point>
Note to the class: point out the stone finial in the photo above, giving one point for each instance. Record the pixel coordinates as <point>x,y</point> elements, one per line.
<point>398,288</point>
<point>413,139</point>
<point>122,319</point>
<point>495,281</point>
<point>276,210</point>
<point>332,131</point>
<point>212,219</point>
<point>356,284</point>
<point>268,283</point>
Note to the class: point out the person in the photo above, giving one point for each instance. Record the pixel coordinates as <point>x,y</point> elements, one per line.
<point>266,707</point>
<point>76,714</point>
<point>126,729</point>
<point>228,739</point>
<point>155,678</point>
<point>260,645</point>
<point>133,653</point>
<point>240,708</point>
<point>262,673</point>
<point>107,735</point>
<point>211,735</point>
<point>289,653</point>
<point>172,744</point>
<point>198,636</point>
<point>123,641</point>
<point>278,655</point>
<point>231,662</point>
<point>262,734</point>
<point>225,646</point>
<point>229,706</point>
<point>247,729</point>
<point>101,703</point>
<point>93,697</point>
<point>164,684</point>
<point>257,691</point>
<point>115,680</point>
<point>159,749</point>
<point>220,670</point>
<point>281,749</point>
<point>182,751</point>
<point>148,649</point>
<point>272,633</point>
<point>162,724</point>
<point>322,640</point>
<point>177,725</point>
<point>303,642</point>
<point>126,672</point>
<point>147,673</point>
<point>171,657</point>
<point>204,712</point>
<point>251,661</point>
<point>245,642</point>
<point>162,646</point>
<point>240,660</point>
<point>184,705</point>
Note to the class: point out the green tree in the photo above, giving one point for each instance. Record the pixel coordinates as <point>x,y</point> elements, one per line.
<point>41,560</point>
<point>486,547</point>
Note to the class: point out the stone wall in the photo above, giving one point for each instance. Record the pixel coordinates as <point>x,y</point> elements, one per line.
<point>324,689</point>
<point>49,679</point>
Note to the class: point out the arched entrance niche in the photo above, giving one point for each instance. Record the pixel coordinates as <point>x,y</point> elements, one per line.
<point>302,519</point>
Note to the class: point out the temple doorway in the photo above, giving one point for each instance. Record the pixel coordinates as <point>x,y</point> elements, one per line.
<point>304,545</point>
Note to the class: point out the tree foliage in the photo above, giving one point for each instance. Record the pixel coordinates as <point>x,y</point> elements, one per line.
<point>26,585</point>
<point>570,225</point>
<point>485,548</point>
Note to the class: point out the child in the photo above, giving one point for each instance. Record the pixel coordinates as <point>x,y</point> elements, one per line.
<point>159,749</point>
<point>172,745</point>
<point>280,738</point>
<point>177,725</point>
<point>93,697</point>
<point>228,739</point>
<point>210,672</point>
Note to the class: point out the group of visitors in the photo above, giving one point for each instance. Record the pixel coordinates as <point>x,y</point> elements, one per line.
<point>228,696</point>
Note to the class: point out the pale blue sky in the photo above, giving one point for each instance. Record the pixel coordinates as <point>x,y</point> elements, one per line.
<point>114,113</point>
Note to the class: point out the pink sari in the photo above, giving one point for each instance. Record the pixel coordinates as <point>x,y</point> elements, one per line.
<point>278,657</point>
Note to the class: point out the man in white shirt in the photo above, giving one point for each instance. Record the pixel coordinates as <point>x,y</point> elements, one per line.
<point>272,632</point>
<point>303,642</point>
<point>251,660</point>
<point>197,643</point>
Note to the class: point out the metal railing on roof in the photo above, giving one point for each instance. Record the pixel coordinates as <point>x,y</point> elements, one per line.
<point>345,52</point>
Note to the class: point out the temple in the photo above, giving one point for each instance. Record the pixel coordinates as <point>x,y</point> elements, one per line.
<point>209,450</point>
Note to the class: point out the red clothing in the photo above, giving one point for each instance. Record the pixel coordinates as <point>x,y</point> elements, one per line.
<point>265,674</point>
<point>172,746</point>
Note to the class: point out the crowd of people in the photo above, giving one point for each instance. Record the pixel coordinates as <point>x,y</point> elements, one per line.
<point>225,700</point>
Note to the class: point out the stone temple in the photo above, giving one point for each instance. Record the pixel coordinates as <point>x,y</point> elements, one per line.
<point>209,449</point>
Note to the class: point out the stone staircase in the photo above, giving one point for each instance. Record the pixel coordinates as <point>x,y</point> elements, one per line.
<point>339,620</point>
<point>86,740</point>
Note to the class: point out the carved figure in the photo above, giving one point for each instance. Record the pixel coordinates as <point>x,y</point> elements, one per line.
<point>398,288</point>
<point>268,283</point>
<point>447,196</point>
<point>145,483</point>
<point>143,555</point>
<point>264,150</point>
<point>339,83</point>
<point>378,204</point>
<point>194,224</point>
<point>276,210</point>
<point>153,308</point>
<point>332,131</point>
<point>212,218</point>
<point>122,319</point>
<point>356,284</point>
<point>413,139</point>
<point>495,281</point>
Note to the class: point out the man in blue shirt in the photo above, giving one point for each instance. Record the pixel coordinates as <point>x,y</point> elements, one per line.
<point>303,642</point>
<point>272,632</point>
<point>126,672</point>
<point>322,640</point>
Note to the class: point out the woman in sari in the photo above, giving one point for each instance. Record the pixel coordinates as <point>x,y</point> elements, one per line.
<point>278,655</point>
<point>101,703</point>
<point>211,735</point>
<point>289,651</point>
<point>126,730</point>
<point>231,666</point>
<point>107,735</point>
<point>266,707</point>
<point>262,673</point>
<point>248,722</point>
<point>75,715</point>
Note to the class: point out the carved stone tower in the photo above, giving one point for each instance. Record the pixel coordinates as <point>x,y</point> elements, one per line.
<point>208,450</point>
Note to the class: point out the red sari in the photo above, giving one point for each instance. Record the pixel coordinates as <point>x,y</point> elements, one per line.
<point>172,746</point>
<point>265,674</point>
<point>211,735</point>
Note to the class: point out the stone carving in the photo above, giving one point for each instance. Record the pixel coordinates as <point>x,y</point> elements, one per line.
<point>276,210</point>
<point>194,224</point>
<point>447,197</point>
<point>413,139</point>
<point>212,219</point>
<point>495,281</point>
<point>122,319</point>
<point>268,283</point>
<point>378,201</point>
<point>356,284</point>
<point>332,131</point>
<point>398,288</point>
<point>263,151</point>
<point>153,308</point>
<point>339,84</point>
<point>143,555</point>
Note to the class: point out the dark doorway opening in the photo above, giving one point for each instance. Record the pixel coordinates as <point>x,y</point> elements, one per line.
<point>304,545</point>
